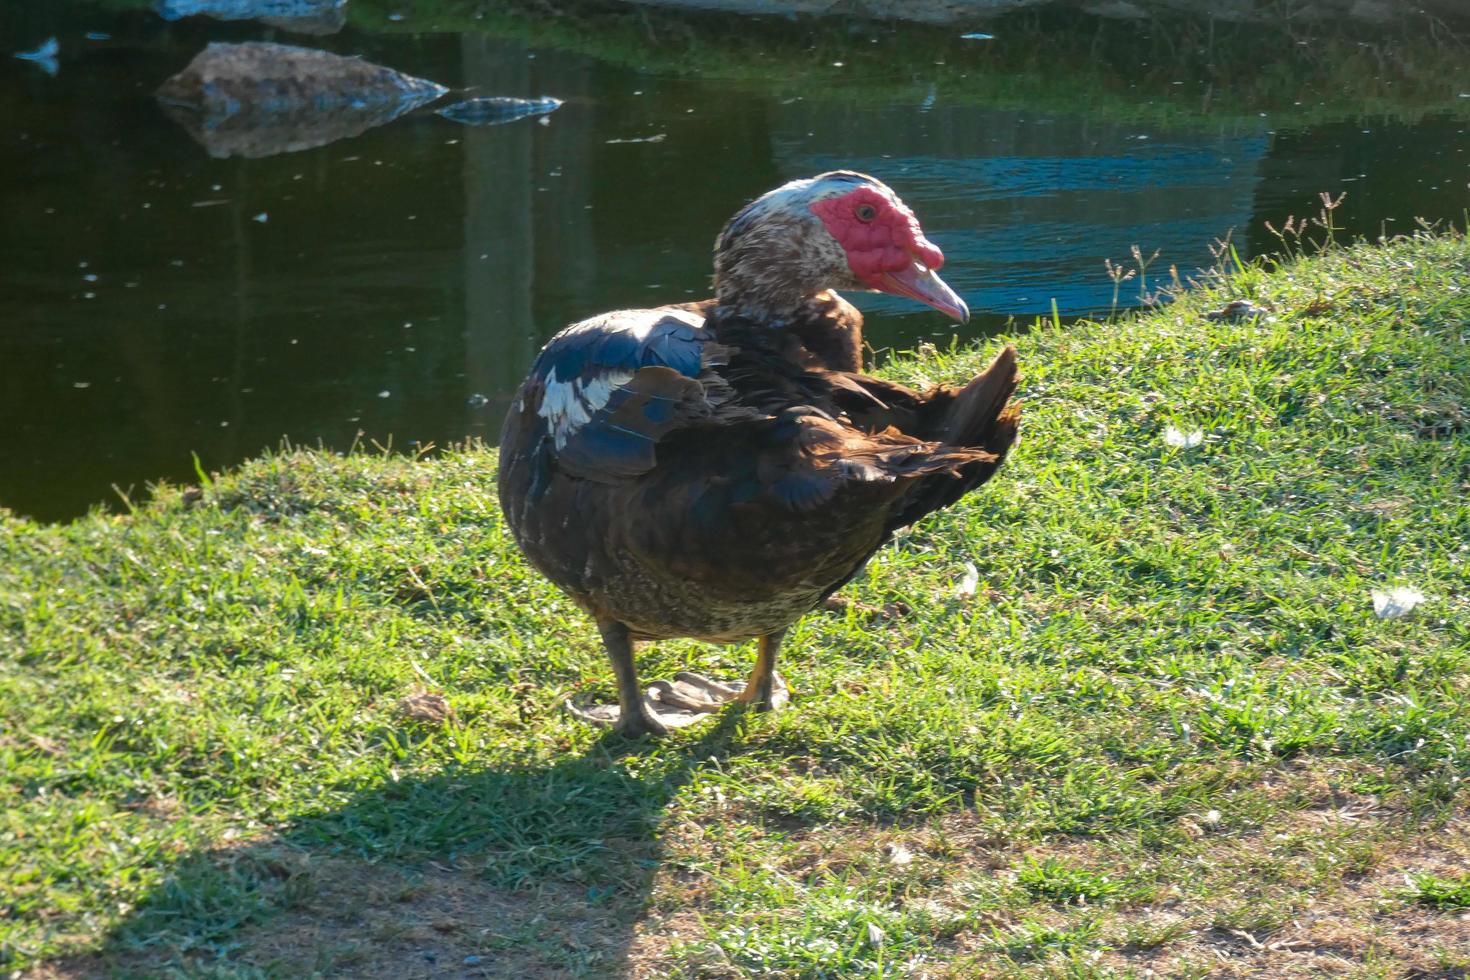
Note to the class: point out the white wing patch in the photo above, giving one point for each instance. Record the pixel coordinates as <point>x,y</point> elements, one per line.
<point>638,323</point>
<point>568,405</point>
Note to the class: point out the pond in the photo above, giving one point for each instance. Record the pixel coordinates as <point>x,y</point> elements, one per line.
<point>158,303</point>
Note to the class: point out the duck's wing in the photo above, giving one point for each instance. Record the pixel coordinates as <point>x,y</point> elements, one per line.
<point>956,415</point>
<point>810,459</point>
<point>605,391</point>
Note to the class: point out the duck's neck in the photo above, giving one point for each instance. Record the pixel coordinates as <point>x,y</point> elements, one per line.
<point>824,331</point>
<point>771,303</point>
<point>770,273</point>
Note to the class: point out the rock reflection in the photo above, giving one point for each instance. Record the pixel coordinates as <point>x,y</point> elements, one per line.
<point>495,111</point>
<point>258,99</point>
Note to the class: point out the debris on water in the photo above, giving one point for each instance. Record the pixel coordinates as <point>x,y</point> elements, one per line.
<point>300,16</point>
<point>262,217</point>
<point>1396,604</point>
<point>97,36</point>
<point>1183,440</point>
<point>977,36</point>
<point>929,99</point>
<point>43,56</point>
<point>1237,309</point>
<point>655,138</point>
<point>258,99</point>
<point>495,110</point>
<point>477,400</point>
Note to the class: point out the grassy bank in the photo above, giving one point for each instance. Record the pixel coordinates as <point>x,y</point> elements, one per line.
<point>1166,731</point>
<point>1180,71</point>
<point>1186,72</point>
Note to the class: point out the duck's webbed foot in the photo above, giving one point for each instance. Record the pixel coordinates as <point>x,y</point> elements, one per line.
<point>644,719</point>
<point>698,693</point>
<point>687,699</point>
<point>764,690</point>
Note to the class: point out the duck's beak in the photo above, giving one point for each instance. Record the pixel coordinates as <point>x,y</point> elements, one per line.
<point>922,283</point>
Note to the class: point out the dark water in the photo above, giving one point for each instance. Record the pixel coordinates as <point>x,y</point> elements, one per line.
<point>156,302</point>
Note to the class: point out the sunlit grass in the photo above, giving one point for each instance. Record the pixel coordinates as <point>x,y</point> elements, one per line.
<point>1183,71</point>
<point>1442,893</point>
<point>1172,71</point>
<point>1166,728</point>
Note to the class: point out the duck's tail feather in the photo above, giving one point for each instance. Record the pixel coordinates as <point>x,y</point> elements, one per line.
<point>980,417</point>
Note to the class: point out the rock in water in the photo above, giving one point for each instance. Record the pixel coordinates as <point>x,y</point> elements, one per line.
<point>258,99</point>
<point>497,110</point>
<point>302,16</point>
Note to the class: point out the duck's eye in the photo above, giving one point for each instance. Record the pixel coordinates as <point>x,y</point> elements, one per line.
<point>866,212</point>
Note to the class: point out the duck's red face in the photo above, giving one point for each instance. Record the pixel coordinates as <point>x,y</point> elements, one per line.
<point>886,249</point>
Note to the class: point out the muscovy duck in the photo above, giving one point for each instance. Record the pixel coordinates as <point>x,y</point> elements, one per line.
<point>716,470</point>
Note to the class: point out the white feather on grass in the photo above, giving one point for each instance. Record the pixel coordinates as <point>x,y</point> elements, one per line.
<point>1397,603</point>
<point>968,583</point>
<point>1183,440</point>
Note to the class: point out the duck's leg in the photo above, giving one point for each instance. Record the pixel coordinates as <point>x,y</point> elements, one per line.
<point>764,689</point>
<point>683,701</point>
<point>634,717</point>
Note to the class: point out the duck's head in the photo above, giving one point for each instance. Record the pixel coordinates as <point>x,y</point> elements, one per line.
<point>838,230</point>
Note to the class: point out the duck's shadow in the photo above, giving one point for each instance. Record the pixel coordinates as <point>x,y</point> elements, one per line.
<point>514,871</point>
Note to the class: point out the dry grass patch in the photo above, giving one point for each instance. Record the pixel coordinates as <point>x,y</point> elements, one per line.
<point>1319,888</point>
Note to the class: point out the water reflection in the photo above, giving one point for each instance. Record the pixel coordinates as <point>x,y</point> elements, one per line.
<point>258,99</point>
<point>1026,206</point>
<point>157,302</point>
<point>299,16</point>
<point>497,110</point>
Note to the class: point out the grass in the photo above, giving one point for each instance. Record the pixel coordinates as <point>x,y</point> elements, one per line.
<point>1441,893</point>
<point>1056,881</point>
<point>1184,72</point>
<point>1167,732</point>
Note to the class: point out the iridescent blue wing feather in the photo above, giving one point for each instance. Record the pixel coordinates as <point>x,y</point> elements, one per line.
<point>613,386</point>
